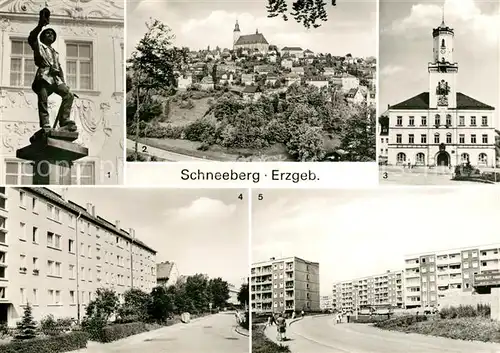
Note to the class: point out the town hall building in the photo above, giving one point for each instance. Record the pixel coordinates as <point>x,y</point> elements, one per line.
<point>250,42</point>
<point>441,127</point>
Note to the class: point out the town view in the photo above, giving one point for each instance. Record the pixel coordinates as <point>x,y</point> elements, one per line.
<point>348,289</point>
<point>231,84</point>
<point>74,279</point>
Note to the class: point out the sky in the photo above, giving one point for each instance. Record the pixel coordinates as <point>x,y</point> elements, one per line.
<point>202,231</point>
<point>357,233</point>
<point>406,47</point>
<point>351,25</point>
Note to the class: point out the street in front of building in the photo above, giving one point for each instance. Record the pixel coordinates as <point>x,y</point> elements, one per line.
<point>322,335</point>
<point>211,334</point>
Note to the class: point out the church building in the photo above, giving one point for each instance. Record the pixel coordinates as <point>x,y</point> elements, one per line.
<point>442,126</point>
<point>249,42</point>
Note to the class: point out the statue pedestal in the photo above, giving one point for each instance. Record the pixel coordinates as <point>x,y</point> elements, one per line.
<point>53,154</point>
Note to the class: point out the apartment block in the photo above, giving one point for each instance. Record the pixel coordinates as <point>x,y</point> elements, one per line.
<point>55,254</point>
<point>287,284</point>
<point>431,276</point>
<point>379,290</point>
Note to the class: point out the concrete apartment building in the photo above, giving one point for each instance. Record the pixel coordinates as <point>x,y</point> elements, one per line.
<point>287,284</point>
<point>379,290</point>
<point>326,302</point>
<point>432,276</point>
<point>55,254</point>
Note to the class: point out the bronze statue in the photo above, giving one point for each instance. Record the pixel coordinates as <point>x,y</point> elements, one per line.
<point>49,77</point>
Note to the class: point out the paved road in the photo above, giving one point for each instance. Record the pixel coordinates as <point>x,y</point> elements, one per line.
<point>211,334</point>
<point>167,155</point>
<point>322,335</point>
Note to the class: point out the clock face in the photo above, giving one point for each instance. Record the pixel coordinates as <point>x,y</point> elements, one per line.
<point>443,51</point>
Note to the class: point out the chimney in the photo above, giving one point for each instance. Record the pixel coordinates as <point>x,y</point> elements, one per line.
<point>117,224</point>
<point>93,210</point>
<point>272,258</point>
<point>131,232</point>
<point>89,207</point>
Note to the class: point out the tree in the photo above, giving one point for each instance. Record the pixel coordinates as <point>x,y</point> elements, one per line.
<point>104,305</point>
<point>196,290</point>
<point>244,294</point>
<point>358,135</point>
<point>306,12</point>
<point>153,65</point>
<point>27,326</point>
<point>135,306</point>
<point>160,304</point>
<point>219,292</point>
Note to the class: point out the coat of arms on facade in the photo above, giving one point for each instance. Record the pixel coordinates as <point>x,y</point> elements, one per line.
<point>442,91</point>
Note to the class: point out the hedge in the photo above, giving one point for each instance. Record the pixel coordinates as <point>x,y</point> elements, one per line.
<point>367,319</point>
<point>55,344</point>
<point>115,332</point>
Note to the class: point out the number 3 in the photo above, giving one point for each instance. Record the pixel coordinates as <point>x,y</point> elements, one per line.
<point>385,175</point>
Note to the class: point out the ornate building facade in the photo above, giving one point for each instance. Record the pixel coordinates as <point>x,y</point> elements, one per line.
<point>251,42</point>
<point>90,46</point>
<point>442,126</point>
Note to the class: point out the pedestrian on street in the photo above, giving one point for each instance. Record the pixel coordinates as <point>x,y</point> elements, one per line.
<point>302,313</point>
<point>281,327</point>
<point>293,315</point>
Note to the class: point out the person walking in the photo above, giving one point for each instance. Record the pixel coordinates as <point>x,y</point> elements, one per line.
<point>281,327</point>
<point>302,313</point>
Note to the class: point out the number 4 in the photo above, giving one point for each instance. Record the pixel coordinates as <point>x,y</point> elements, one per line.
<point>240,196</point>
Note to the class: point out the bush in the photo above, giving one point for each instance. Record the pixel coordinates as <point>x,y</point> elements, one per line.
<point>94,327</point>
<point>115,332</point>
<point>368,319</point>
<point>400,323</point>
<point>465,311</point>
<point>62,343</point>
<point>203,130</point>
<point>187,104</point>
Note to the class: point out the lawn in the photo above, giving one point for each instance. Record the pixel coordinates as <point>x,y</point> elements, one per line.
<point>261,344</point>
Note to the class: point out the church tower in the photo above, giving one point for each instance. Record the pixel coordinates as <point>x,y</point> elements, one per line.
<point>236,33</point>
<point>442,70</point>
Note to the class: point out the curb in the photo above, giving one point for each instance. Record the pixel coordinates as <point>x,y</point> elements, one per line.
<point>237,330</point>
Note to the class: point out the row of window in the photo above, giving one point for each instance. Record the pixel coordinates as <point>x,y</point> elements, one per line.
<point>420,158</point>
<point>56,214</point>
<point>21,173</point>
<point>437,138</point>
<point>79,71</point>
<point>54,269</point>
<point>447,121</point>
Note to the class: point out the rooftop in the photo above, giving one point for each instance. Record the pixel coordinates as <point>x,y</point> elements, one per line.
<point>421,102</point>
<point>77,209</point>
<point>257,38</point>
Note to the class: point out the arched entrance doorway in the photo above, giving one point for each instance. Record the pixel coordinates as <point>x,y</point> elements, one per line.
<point>443,158</point>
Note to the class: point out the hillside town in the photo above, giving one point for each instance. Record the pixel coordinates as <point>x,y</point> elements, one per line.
<point>253,67</point>
<point>253,101</point>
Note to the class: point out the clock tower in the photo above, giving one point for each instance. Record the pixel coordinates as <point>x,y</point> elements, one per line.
<point>442,70</point>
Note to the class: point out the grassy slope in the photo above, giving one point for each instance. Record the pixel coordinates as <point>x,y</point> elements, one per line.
<point>261,344</point>
<point>182,117</point>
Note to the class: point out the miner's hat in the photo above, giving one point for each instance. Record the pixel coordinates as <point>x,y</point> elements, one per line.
<point>49,30</point>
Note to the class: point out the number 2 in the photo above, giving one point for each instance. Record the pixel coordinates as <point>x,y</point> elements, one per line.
<point>144,148</point>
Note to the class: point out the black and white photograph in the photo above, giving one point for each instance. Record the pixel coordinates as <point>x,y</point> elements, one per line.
<point>264,80</point>
<point>348,271</point>
<point>98,270</point>
<point>61,92</point>
<point>439,92</point>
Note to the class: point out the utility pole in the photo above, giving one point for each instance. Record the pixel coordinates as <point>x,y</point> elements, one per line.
<point>77,252</point>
